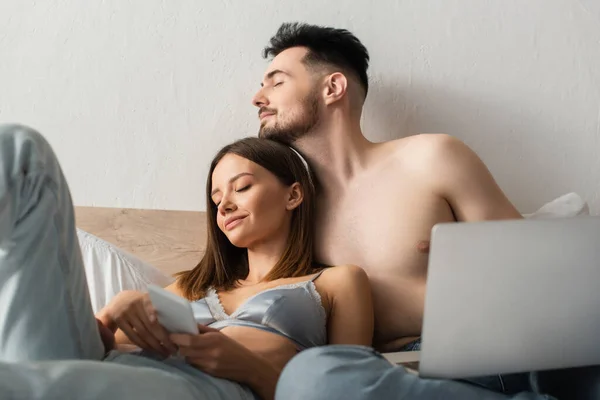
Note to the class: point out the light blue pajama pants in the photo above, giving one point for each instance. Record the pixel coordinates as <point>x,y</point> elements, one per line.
<point>50,347</point>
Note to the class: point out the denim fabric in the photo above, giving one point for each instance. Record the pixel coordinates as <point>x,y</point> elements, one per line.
<point>506,383</point>
<point>360,373</point>
<point>415,345</point>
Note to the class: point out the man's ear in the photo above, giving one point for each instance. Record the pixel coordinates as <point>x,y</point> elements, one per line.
<point>295,196</point>
<point>336,86</point>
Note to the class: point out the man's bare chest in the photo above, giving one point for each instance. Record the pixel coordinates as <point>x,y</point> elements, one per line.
<point>379,230</point>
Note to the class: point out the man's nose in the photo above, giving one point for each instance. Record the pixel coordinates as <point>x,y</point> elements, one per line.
<point>259,99</point>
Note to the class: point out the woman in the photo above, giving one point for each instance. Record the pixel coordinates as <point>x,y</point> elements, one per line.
<point>257,294</point>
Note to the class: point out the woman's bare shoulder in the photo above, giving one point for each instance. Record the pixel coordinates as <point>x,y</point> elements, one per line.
<point>344,276</point>
<point>174,288</point>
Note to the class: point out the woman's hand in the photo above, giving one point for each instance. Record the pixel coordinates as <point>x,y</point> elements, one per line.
<point>132,312</point>
<point>222,357</point>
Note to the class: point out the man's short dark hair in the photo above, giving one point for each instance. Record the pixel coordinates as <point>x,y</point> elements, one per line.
<point>325,45</point>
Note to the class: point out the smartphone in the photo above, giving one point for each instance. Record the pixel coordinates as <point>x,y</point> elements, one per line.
<point>173,312</point>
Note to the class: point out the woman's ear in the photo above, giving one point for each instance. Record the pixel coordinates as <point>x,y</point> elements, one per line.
<point>295,196</point>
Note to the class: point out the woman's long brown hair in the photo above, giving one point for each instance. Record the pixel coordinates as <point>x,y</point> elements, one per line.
<point>223,264</point>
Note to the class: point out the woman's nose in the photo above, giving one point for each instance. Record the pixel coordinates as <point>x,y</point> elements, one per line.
<point>226,206</point>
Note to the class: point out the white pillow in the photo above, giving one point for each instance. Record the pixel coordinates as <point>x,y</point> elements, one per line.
<point>110,270</point>
<point>568,205</point>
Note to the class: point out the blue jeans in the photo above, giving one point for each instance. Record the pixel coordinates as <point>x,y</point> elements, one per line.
<point>506,383</point>
<point>50,347</point>
<point>361,373</point>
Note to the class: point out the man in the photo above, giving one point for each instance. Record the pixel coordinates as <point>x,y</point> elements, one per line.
<point>377,205</point>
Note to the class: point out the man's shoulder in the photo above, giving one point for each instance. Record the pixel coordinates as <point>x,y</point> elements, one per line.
<point>425,142</point>
<point>424,149</point>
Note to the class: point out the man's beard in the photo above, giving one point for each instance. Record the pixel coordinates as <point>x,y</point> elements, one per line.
<point>294,130</point>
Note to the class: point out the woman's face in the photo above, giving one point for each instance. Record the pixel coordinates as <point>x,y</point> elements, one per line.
<point>253,206</point>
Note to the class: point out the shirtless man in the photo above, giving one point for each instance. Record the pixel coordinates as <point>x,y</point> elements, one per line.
<point>377,205</point>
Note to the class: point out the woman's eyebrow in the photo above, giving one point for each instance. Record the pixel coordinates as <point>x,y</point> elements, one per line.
<point>236,177</point>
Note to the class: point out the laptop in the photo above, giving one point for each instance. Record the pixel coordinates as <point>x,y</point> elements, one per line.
<point>511,296</point>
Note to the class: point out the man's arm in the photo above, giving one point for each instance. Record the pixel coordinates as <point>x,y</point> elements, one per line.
<point>465,182</point>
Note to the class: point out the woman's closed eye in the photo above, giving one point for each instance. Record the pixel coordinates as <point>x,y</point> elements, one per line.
<point>242,189</point>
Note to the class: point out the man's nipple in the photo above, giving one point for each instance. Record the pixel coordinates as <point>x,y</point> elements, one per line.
<point>423,246</point>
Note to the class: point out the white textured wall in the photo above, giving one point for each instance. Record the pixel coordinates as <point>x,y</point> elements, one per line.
<point>136,96</point>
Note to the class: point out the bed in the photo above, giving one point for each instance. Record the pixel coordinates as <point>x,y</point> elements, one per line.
<point>172,241</point>
<point>127,248</point>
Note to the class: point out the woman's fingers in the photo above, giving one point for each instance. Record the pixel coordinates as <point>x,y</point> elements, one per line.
<point>133,335</point>
<point>216,354</point>
<point>154,327</point>
<point>163,336</point>
<point>196,346</point>
<point>148,333</point>
<point>149,309</point>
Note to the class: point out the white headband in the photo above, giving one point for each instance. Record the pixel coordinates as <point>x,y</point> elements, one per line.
<point>305,164</point>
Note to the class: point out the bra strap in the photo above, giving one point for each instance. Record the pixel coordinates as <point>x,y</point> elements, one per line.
<point>317,275</point>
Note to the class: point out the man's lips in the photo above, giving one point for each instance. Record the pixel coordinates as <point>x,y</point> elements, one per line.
<point>265,114</point>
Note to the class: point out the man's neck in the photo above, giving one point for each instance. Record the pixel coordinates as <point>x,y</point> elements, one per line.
<point>337,151</point>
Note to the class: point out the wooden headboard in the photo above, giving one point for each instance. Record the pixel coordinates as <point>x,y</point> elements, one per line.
<point>170,240</point>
